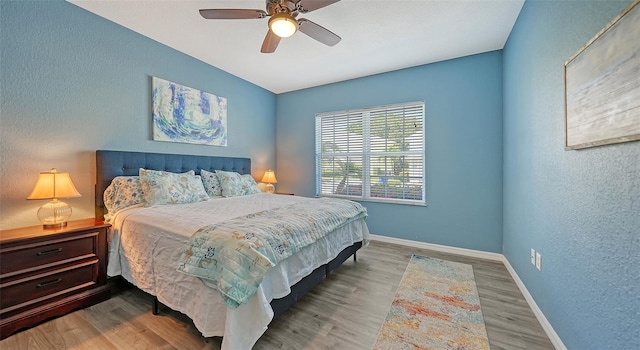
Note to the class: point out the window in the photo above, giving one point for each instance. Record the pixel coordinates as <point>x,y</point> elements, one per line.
<point>374,154</point>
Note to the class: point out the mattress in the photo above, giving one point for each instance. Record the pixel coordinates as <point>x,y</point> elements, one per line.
<point>146,243</point>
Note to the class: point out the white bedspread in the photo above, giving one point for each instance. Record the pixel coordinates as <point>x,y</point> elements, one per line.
<point>146,243</point>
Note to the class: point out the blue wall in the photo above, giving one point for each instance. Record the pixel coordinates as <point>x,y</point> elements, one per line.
<point>73,82</point>
<point>579,209</point>
<point>463,103</point>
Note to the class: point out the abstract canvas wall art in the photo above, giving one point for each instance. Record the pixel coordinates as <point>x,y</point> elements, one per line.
<point>184,114</point>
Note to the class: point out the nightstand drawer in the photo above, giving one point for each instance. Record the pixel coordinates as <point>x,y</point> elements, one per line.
<point>22,258</point>
<point>33,289</point>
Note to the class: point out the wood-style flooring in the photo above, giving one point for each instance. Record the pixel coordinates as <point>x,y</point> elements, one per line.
<point>344,312</point>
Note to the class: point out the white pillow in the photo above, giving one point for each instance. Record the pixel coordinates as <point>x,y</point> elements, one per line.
<point>161,187</point>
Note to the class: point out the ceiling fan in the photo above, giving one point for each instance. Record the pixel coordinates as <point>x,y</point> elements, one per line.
<point>283,22</point>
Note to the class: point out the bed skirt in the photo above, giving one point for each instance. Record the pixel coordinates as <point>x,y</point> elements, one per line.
<point>299,289</point>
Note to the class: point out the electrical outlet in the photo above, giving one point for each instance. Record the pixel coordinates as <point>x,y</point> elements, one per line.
<point>533,257</point>
<point>538,261</point>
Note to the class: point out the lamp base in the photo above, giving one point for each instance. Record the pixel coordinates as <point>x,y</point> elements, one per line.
<point>54,214</point>
<point>55,226</point>
<point>269,188</point>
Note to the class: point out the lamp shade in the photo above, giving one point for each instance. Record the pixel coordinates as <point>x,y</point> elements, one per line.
<point>269,177</point>
<point>53,185</point>
<point>283,25</point>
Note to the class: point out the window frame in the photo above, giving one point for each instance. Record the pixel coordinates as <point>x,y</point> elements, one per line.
<point>366,154</point>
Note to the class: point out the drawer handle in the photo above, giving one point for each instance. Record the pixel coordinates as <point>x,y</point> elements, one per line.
<point>57,250</point>
<point>46,284</point>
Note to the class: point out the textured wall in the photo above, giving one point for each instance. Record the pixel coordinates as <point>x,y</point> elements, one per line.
<point>579,209</point>
<point>73,82</point>
<point>463,103</point>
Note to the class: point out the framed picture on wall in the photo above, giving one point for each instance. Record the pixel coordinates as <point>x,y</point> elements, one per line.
<point>602,85</point>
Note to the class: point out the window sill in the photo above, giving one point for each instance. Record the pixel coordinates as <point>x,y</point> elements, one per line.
<point>377,200</point>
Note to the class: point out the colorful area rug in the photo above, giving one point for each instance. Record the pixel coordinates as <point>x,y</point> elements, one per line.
<point>436,307</point>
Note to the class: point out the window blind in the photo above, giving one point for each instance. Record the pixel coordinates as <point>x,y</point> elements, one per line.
<point>372,154</point>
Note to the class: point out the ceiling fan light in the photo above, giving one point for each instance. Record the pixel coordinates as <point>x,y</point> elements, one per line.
<point>283,25</point>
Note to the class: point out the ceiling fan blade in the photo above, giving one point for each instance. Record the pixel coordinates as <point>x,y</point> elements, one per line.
<point>270,42</point>
<point>318,32</point>
<point>232,14</point>
<point>305,6</point>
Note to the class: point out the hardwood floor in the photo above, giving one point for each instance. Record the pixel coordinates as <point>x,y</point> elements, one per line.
<point>344,312</point>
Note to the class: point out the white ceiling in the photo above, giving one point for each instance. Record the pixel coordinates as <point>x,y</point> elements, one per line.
<point>377,36</point>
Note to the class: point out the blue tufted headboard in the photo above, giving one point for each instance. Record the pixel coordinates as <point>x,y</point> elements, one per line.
<point>110,164</point>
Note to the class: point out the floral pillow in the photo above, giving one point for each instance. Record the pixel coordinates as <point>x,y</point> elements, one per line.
<point>234,184</point>
<point>123,192</point>
<point>249,185</point>
<point>211,183</point>
<point>162,187</point>
<point>231,183</point>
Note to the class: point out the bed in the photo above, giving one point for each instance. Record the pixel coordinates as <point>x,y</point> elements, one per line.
<point>147,244</point>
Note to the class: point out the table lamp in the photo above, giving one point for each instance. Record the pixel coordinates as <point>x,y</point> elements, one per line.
<point>270,179</point>
<point>53,185</point>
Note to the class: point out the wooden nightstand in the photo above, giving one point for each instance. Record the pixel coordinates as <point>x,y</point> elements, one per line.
<point>49,272</point>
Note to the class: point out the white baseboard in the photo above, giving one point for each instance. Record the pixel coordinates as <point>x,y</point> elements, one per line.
<point>551,333</point>
<point>441,248</point>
